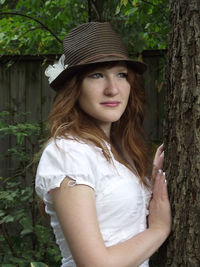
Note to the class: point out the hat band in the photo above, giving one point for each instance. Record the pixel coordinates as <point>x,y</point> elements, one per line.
<point>101,56</point>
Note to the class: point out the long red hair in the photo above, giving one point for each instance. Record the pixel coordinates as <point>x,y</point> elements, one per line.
<point>127,138</point>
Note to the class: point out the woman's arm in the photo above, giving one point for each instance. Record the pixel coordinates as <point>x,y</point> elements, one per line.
<point>76,211</point>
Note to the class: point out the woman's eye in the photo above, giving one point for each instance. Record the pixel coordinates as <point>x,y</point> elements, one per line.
<point>96,75</point>
<point>123,75</point>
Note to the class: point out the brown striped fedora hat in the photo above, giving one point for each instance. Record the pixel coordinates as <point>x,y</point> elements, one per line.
<point>89,43</point>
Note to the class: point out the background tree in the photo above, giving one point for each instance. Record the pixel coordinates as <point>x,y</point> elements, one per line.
<point>182,134</point>
<point>143,23</point>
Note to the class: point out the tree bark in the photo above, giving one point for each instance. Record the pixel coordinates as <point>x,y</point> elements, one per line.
<point>182,135</point>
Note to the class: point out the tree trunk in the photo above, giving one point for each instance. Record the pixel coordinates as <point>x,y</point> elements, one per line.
<point>182,135</point>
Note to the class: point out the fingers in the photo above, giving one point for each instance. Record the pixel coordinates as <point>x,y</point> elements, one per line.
<point>159,208</point>
<point>160,185</point>
<point>159,158</point>
<point>160,149</point>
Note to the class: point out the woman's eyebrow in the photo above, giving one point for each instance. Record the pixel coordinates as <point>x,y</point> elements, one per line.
<point>123,69</point>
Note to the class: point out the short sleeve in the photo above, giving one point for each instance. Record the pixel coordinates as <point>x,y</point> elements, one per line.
<point>65,158</point>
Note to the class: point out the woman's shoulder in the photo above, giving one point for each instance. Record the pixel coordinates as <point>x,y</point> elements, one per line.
<point>71,145</point>
<point>65,158</point>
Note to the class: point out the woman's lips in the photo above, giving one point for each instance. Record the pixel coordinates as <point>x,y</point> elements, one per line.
<point>110,103</point>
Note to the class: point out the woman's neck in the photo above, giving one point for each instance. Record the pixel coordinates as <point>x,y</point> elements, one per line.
<point>105,127</point>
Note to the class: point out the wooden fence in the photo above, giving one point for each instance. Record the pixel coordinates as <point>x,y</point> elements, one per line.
<point>24,88</point>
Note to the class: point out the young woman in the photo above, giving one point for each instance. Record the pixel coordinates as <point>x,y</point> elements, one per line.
<point>93,172</point>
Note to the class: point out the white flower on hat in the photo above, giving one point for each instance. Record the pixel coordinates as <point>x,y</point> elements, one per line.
<point>52,71</point>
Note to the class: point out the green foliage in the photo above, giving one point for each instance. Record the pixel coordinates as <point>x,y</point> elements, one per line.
<point>142,23</point>
<point>38,264</point>
<point>147,22</point>
<point>25,238</point>
<point>22,35</point>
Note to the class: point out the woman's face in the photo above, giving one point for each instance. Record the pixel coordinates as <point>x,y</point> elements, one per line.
<point>104,94</point>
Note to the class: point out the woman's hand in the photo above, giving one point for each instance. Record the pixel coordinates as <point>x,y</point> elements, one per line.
<point>159,208</point>
<point>158,161</point>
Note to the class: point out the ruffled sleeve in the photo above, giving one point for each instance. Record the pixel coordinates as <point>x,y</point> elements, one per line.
<point>65,158</point>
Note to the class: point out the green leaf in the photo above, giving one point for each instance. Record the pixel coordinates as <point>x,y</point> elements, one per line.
<point>2,2</point>
<point>131,11</point>
<point>38,264</point>
<point>136,3</point>
<point>117,11</point>
<point>26,223</point>
<point>147,25</point>
<point>124,2</point>
<point>7,219</point>
<point>20,138</point>
<point>26,231</point>
<point>1,36</point>
<point>2,213</point>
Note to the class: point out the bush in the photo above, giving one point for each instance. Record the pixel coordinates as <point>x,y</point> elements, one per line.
<point>26,238</point>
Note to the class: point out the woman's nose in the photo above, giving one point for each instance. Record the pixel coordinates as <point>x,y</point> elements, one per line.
<point>111,87</point>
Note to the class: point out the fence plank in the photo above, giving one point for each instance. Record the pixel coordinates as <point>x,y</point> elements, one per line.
<point>47,95</point>
<point>4,104</point>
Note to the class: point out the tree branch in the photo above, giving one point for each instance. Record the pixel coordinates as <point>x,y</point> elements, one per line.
<point>7,239</point>
<point>95,9</point>
<point>89,11</point>
<point>32,18</point>
<point>30,30</point>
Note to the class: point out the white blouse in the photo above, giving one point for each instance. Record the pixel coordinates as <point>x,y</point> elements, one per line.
<point>121,200</point>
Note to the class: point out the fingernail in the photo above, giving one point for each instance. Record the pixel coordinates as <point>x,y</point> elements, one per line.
<point>159,171</point>
<point>163,173</point>
<point>165,181</point>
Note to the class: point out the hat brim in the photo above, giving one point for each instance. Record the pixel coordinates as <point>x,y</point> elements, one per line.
<point>137,66</point>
